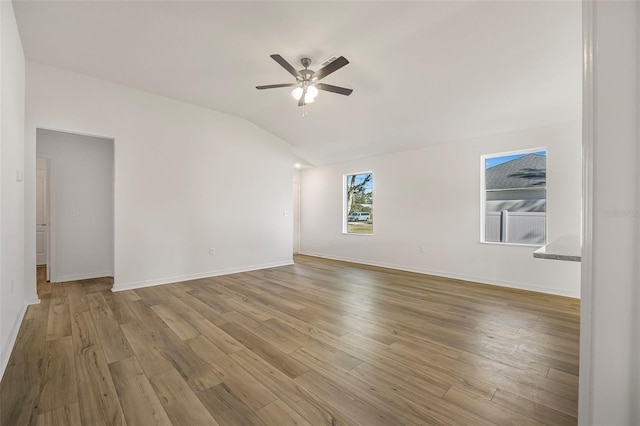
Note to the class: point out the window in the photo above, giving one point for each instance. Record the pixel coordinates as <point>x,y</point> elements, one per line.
<point>358,211</point>
<point>514,202</point>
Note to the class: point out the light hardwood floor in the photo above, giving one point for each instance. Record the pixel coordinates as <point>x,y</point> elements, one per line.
<point>317,343</point>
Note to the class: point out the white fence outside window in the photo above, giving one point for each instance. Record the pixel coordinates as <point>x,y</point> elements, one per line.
<point>515,227</point>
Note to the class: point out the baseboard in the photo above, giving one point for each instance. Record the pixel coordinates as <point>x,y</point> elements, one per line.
<point>472,278</point>
<point>179,278</point>
<point>11,341</point>
<point>77,277</point>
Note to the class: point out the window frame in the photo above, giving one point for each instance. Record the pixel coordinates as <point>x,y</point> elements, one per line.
<point>483,196</point>
<point>345,213</point>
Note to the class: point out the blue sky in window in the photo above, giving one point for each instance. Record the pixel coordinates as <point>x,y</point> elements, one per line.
<point>368,187</point>
<point>494,161</point>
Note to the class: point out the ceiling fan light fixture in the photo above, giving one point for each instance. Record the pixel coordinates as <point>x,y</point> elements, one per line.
<point>310,96</point>
<point>312,91</point>
<point>297,93</point>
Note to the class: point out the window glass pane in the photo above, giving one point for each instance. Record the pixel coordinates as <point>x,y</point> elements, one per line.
<point>359,203</point>
<point>516,198</point>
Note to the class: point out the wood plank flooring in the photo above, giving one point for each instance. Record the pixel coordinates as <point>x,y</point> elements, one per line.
<point>320,342</point>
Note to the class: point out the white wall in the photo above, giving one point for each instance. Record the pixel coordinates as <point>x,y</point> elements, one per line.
<point>610,318</point>
<point>12,291</point>
<point>431,198</point>
<point>186,179</point>
<point>81,182</point>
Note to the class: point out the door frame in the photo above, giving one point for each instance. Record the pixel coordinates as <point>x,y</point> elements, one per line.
<point>52,275</point>
<point>50,206</point>
<point>585,391</point>
<point>296,214</point>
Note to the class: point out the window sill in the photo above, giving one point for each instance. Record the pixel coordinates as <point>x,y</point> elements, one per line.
<point>497,243</point>
<point>568,248</point>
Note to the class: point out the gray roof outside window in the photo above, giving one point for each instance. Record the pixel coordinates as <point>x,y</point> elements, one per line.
<point>528,171</point>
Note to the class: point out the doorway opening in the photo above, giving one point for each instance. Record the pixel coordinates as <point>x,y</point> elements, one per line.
<point>74,208</point>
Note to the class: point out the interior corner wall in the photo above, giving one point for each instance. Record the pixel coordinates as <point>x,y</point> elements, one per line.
<point>431,198</point>
<point>81,182</point>
<point>12,284</point>
<point>188,181</point>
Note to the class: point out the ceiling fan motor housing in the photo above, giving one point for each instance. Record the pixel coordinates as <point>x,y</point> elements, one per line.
<point>306,73</point>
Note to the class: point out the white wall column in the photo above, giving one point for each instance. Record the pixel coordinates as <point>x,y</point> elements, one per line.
<point>610,328</point>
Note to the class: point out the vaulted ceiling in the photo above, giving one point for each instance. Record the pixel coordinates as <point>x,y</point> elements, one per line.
<point>422,72</point>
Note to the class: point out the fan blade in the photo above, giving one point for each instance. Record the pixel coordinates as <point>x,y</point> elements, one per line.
<point>286,65</point>
<point>334,89</point>
<point>275,86</point>
<point>304,94</point>
<point>333,66</point>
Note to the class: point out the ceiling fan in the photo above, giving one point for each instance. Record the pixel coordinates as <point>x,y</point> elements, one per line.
<point>306,85</point>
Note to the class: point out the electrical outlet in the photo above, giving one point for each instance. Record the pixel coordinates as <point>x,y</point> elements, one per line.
<point>212,251</point>
<point>421,250</point>
<point>285,213</point>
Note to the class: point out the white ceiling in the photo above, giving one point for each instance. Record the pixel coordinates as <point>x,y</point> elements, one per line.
<point>422,72</point>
